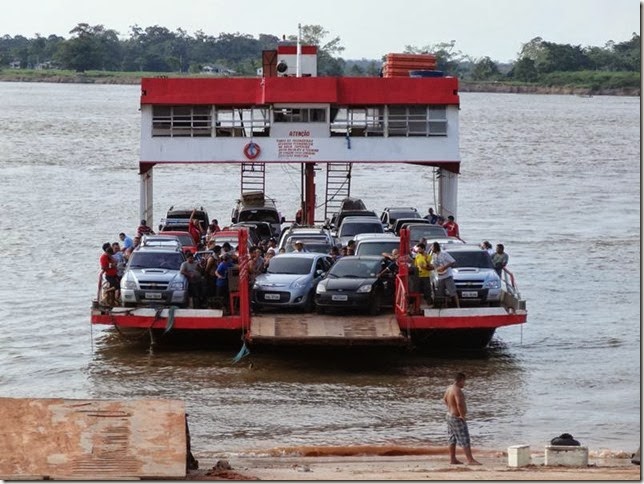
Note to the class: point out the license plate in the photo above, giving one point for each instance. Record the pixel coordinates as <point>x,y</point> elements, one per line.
<point>153,295</point>
<point>339,297</point>
<point>272,297</point>
<point>470,294</point>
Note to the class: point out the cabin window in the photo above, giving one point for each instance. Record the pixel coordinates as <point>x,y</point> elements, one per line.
<point>299,115</point>
<point>181,121</point>
<point>358,121</point>
<point>242,121</point>
<point>417,121</point>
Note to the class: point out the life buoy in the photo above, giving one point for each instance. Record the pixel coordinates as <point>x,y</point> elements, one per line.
<point>252,150</point>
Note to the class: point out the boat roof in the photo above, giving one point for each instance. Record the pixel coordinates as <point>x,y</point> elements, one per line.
<point>253,91</point>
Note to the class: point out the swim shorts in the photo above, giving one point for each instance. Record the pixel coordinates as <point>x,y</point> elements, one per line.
<point>457,431</point>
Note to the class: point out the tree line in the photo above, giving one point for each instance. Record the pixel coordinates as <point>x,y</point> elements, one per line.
<point>157,49</point>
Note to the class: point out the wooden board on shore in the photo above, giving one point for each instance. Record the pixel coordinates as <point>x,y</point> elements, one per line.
<point>57,438</point>
<point>316,329</point>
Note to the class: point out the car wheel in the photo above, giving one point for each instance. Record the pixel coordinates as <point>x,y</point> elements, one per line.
<point>320,309</point>
<point>309,305</point>
<point>376,304</point>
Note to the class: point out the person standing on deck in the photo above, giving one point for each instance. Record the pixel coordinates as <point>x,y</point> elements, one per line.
<point>221,285</point>
<point>195,229</point>
<point>127,241</point>
<point>452,227</point>
<point>423,265</point>
<point>431,216</point>
<point>500,259</point>
<point>442,263</point>
<point>144,229</point>
<point>457,429</point>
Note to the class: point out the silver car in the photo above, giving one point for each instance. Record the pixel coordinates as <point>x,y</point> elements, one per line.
<point>152,277</point>
<point>290,281</point>
<point>477,283</point>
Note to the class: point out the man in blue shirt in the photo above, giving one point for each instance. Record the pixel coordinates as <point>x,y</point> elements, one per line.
<point>127,241</point>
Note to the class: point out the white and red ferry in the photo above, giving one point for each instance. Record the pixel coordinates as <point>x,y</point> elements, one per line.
<point>290,115</point>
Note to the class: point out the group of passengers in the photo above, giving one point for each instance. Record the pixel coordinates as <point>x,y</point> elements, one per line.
<point>208,272</point>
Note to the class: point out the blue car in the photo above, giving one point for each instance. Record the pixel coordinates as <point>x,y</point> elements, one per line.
<point>290,281</point>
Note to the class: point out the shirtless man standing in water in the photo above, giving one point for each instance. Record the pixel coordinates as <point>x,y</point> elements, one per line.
<point>456,425</point>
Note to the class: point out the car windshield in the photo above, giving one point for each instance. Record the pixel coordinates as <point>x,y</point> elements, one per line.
<point>480,259</point>
<point>354,268</point>
<point>259,215</point>
<point>396,214</point>
<point>350,229</point>
<point>153,260</point>
<point>318,246</point>
<point>417,233</point>
<point>373,247</point>
<point>185,240</point>
<point>290,265</point>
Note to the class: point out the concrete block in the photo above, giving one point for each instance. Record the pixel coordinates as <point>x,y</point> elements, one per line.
<point>566,455</point>
<point>518,455</point>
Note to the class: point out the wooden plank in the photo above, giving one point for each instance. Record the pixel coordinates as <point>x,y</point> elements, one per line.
<point>325,329</point>
<point>93,439</point>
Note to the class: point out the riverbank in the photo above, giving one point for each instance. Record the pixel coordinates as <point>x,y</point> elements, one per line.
<point>432,465</point>
<point>134,78</point>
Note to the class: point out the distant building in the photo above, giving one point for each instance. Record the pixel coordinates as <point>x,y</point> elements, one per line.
<point>218,69</point>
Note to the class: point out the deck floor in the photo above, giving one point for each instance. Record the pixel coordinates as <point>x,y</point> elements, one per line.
<point>92,439</point>
<point>326,329</point>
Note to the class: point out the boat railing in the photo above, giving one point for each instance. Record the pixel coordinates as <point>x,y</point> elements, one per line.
<point>510,283</point>
<point>401,296</point>
<point>100,285</point>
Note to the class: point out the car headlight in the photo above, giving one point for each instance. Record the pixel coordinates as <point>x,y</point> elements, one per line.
<point>493,284</point>
<point>176,285</point>
<point>128,284</point>
<point>320,289</point>
<point>365,288</point>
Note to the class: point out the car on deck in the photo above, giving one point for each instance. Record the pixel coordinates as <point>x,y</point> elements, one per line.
<point>390,215</point>
<point>290,281</point>
<point>477,282</point>
<point>357,282</point>
<point>152,278</point>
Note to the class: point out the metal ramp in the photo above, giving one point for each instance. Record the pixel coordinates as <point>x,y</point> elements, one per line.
<point>329,331</point>
<point>338,187</point>
<point>253,177</point>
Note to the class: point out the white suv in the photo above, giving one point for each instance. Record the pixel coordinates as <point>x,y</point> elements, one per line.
<point>152,277</point>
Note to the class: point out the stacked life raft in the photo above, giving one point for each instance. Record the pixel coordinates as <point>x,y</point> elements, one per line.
<point>402,65</point>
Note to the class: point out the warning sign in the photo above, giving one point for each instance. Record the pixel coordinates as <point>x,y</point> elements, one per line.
<point>295,149</point>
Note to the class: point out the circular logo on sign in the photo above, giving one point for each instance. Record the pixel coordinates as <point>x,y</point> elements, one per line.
<point>252,150</point>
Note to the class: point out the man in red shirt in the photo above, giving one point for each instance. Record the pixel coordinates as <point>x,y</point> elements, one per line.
<point>452,227</point>
<point>109,267</point>
<point>194,227</point>
<point>144,229</point>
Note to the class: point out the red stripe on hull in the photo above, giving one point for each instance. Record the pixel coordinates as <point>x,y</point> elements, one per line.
<point>460,322</point>
<point>181,322</point>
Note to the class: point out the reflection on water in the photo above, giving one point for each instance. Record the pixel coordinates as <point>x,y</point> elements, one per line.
<point>312,397</point>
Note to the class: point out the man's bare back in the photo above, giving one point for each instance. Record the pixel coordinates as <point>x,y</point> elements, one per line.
<point>455,400</point>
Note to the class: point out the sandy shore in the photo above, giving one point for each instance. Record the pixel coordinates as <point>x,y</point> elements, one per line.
<point>433,465</point>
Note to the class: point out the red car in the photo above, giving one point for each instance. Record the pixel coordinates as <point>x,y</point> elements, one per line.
<point>185,239</point>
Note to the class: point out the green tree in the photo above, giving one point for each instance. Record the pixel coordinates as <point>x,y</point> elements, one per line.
<point>485,70</point>
<point>524,70</point>
<point>328,63</point>
<point>448,60</point>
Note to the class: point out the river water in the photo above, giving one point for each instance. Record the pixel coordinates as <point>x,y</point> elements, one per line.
<point>554,178</point>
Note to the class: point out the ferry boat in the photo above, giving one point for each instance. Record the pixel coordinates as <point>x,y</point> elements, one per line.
<point>290,115</point>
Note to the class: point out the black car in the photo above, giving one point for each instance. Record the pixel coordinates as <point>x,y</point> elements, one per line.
<point>361,282</point>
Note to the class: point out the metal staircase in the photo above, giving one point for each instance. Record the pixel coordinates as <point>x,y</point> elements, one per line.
<point>338,187</point>
<point>253,177</point>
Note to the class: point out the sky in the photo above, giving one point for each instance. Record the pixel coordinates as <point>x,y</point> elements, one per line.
<point>367,28</point>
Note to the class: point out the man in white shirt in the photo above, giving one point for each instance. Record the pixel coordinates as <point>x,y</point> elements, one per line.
<point>443,263</point>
